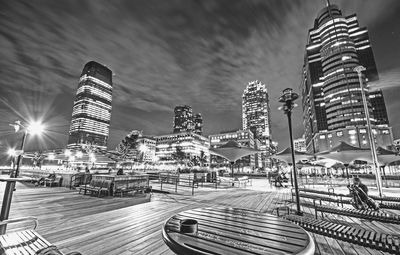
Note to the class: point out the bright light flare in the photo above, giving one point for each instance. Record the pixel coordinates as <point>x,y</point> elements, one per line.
<point>35,128</point>
<point>12,152</point>
<point>79,154</point>
<point>67,153</point>
<point>143,148</point>
<point>52,157</point>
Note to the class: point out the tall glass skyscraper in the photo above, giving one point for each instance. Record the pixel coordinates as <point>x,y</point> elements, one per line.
<point>331,93</point>
<point>91,113</point>
<point>256,114</point>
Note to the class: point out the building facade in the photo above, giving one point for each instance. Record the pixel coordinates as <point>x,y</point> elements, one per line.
<point>183,119</point>
<point>331,93</point>
<point>198,123</point>
<point>256,115</point>
<point>91,113</point>
<point>300,144</point>
<point>146,149</point>
<point>189,143</point>
<point>396,144</point>
<point>242,137</point>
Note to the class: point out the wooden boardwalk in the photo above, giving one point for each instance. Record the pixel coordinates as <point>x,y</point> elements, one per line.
<point>92,225</point>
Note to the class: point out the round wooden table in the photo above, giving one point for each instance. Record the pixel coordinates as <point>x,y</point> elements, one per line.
<point>235,231</point>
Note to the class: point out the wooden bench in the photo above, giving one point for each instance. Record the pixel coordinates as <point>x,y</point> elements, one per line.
<point>331,192</point>
<point>364,214</point>
<point>94,186</point>
<point>105,187</point>
<point>27,242</point>
<point>380,241</point>
<point>130,185</point>
<point>338,201</point>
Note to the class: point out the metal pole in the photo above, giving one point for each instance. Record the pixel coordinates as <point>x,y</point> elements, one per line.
<point>9,189</point>
<point>359,69</point>
<point>288,113</point>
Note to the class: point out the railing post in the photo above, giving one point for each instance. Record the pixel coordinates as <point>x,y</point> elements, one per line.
<point>192,186</point>
<point>160,176</point>
<point>176,183</point>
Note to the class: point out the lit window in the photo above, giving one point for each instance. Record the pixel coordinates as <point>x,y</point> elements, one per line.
<point>363,131</point>
<point>322,137</point>
<point>352,132</point>
<point>339,134</point>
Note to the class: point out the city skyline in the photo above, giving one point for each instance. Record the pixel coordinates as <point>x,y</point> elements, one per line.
<point>163,57</point>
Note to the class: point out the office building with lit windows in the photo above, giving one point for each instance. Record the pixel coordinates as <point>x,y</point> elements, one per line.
<point>256,115</point>
<point>183,119</point>
<point>242,137</point>
<point>91,113</point>
<point>186,121</point>
<point>331,94</point>
<point>300,144</point>
<point>198,123</point>
<point>190,143</point>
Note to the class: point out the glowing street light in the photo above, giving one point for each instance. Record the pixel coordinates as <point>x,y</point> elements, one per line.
<point>12,152</point>
<point>67,153</point>
<point>79,154</point>
<point>52,156</point>
<point>34,128</point>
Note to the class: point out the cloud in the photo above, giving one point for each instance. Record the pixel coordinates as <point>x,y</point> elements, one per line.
<point>163,53</point>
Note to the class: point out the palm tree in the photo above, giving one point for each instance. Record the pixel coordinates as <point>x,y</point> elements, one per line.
<point>126,145</point>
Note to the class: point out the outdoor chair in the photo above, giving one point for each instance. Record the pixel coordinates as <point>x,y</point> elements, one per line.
<point>27,242</point>
<point>375,240</point>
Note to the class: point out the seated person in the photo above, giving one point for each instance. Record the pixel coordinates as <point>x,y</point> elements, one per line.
<point>361,200</point>
<point>278,179</point>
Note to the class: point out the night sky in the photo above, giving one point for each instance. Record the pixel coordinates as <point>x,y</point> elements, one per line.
<point>165,53</point>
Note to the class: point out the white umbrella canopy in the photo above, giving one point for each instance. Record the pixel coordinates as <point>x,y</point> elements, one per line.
<point>386,157</point>
<point>346,153</point>
<point>286,155</point>
<point>233,151</point>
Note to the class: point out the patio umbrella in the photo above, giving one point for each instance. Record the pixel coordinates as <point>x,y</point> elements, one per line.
<point>386,157</point>
<point>286,155</point>
<point>346,153</point>
<point>233,151</point>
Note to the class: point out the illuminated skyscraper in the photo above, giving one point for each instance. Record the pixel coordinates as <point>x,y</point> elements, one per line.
<point>198,123</point>
<point>331,94</point>
<point>183,119</point>
<point>91,113</point>
<point>256,114</point>
<point>255,110</point>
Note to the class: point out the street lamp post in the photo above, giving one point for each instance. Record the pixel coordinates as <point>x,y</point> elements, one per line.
<point>288,97</point>
<point>359,70</point>
<point>10,185</point>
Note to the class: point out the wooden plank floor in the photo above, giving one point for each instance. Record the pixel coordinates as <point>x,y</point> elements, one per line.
<point>92,225</point>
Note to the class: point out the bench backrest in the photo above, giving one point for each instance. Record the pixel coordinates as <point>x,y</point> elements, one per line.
<point>106,184</point>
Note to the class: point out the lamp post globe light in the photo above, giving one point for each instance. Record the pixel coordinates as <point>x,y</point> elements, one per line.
<point>359,70</point>
<point>288,97</point>
<point>34,128</point>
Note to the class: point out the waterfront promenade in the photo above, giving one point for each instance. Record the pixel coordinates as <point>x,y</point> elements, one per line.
<point>93,225</point>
